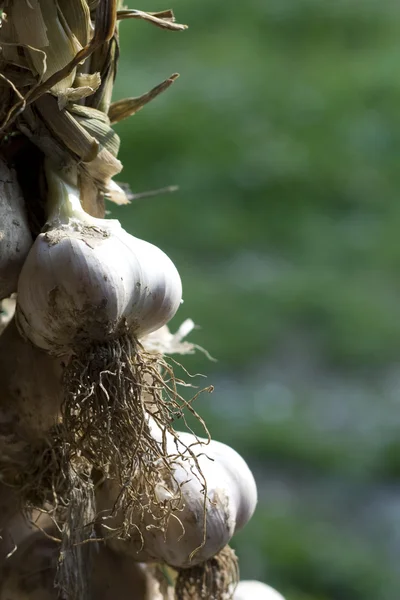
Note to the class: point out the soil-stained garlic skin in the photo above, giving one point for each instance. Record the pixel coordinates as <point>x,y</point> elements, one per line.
<point>83,282</point>
<point>231,501</point>
<point>15,236</point>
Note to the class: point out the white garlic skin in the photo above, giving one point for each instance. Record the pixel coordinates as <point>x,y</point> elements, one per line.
<point>232,498</point>
<point>15,236</point>
<point>82,282</point>
<point>255,590</point>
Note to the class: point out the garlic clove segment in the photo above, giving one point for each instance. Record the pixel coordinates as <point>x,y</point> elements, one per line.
<point>237,475</point>
<point>255,590</point>
<point>201,525</point>
<point>15,235</point>
<point>87,279</point>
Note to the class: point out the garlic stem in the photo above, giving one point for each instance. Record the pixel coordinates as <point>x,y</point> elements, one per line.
<point>64,204</point>
<point>62,200</point>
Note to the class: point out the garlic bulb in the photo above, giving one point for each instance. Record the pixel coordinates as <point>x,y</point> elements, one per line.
<point>230,503</point>
<point>15,236</point>
<point>255,590</point>
<point>86,279</point>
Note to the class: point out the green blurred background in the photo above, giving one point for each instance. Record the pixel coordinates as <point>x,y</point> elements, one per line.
<point>283,134</point>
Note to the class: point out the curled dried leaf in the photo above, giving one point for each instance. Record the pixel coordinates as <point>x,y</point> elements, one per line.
<point>116,194</point>
<point>48,33</point>
<point>102,132</point>
<point>67,129</point>
<point>104,21</point>
<point>74,94</point>
<point>154,18</point>
<point>102,169</point>
<point>92,80</point>
<point>121,109</point>
<point>104,59</point>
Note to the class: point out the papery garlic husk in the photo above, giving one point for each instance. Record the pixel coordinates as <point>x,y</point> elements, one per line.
<point>45,36</point>
<point>216,578</point>
<point>213,494</point>
<point>256,590</point>
<point>15,235</point>
<point>162,341</point>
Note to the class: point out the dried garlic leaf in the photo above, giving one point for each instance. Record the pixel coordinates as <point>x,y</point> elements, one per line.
<point>8,41</point>
<point>104,60</point>
<point>102,168</point>
<point>105,20</point>
<point>73,95</point>
<point>77,15</point>
<point>92,199</point>
<point>67,129</point>
<point>46,34</point>
<point>35,129</point>
<point>87,112</point>
<point>121,109</point>
<point>30,23</point>
<point>116,194</point>
<point>102,132</point>
<point>164,23</point>
<point>92,80</point>
<point>167,15</point>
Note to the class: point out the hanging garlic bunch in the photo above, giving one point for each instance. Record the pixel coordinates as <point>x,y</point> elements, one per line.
<point>89,290</point>
<point>214,495</point>
<point>15,236</point>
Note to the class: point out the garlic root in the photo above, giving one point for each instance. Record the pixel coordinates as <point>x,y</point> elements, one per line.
<point>216,578</point>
